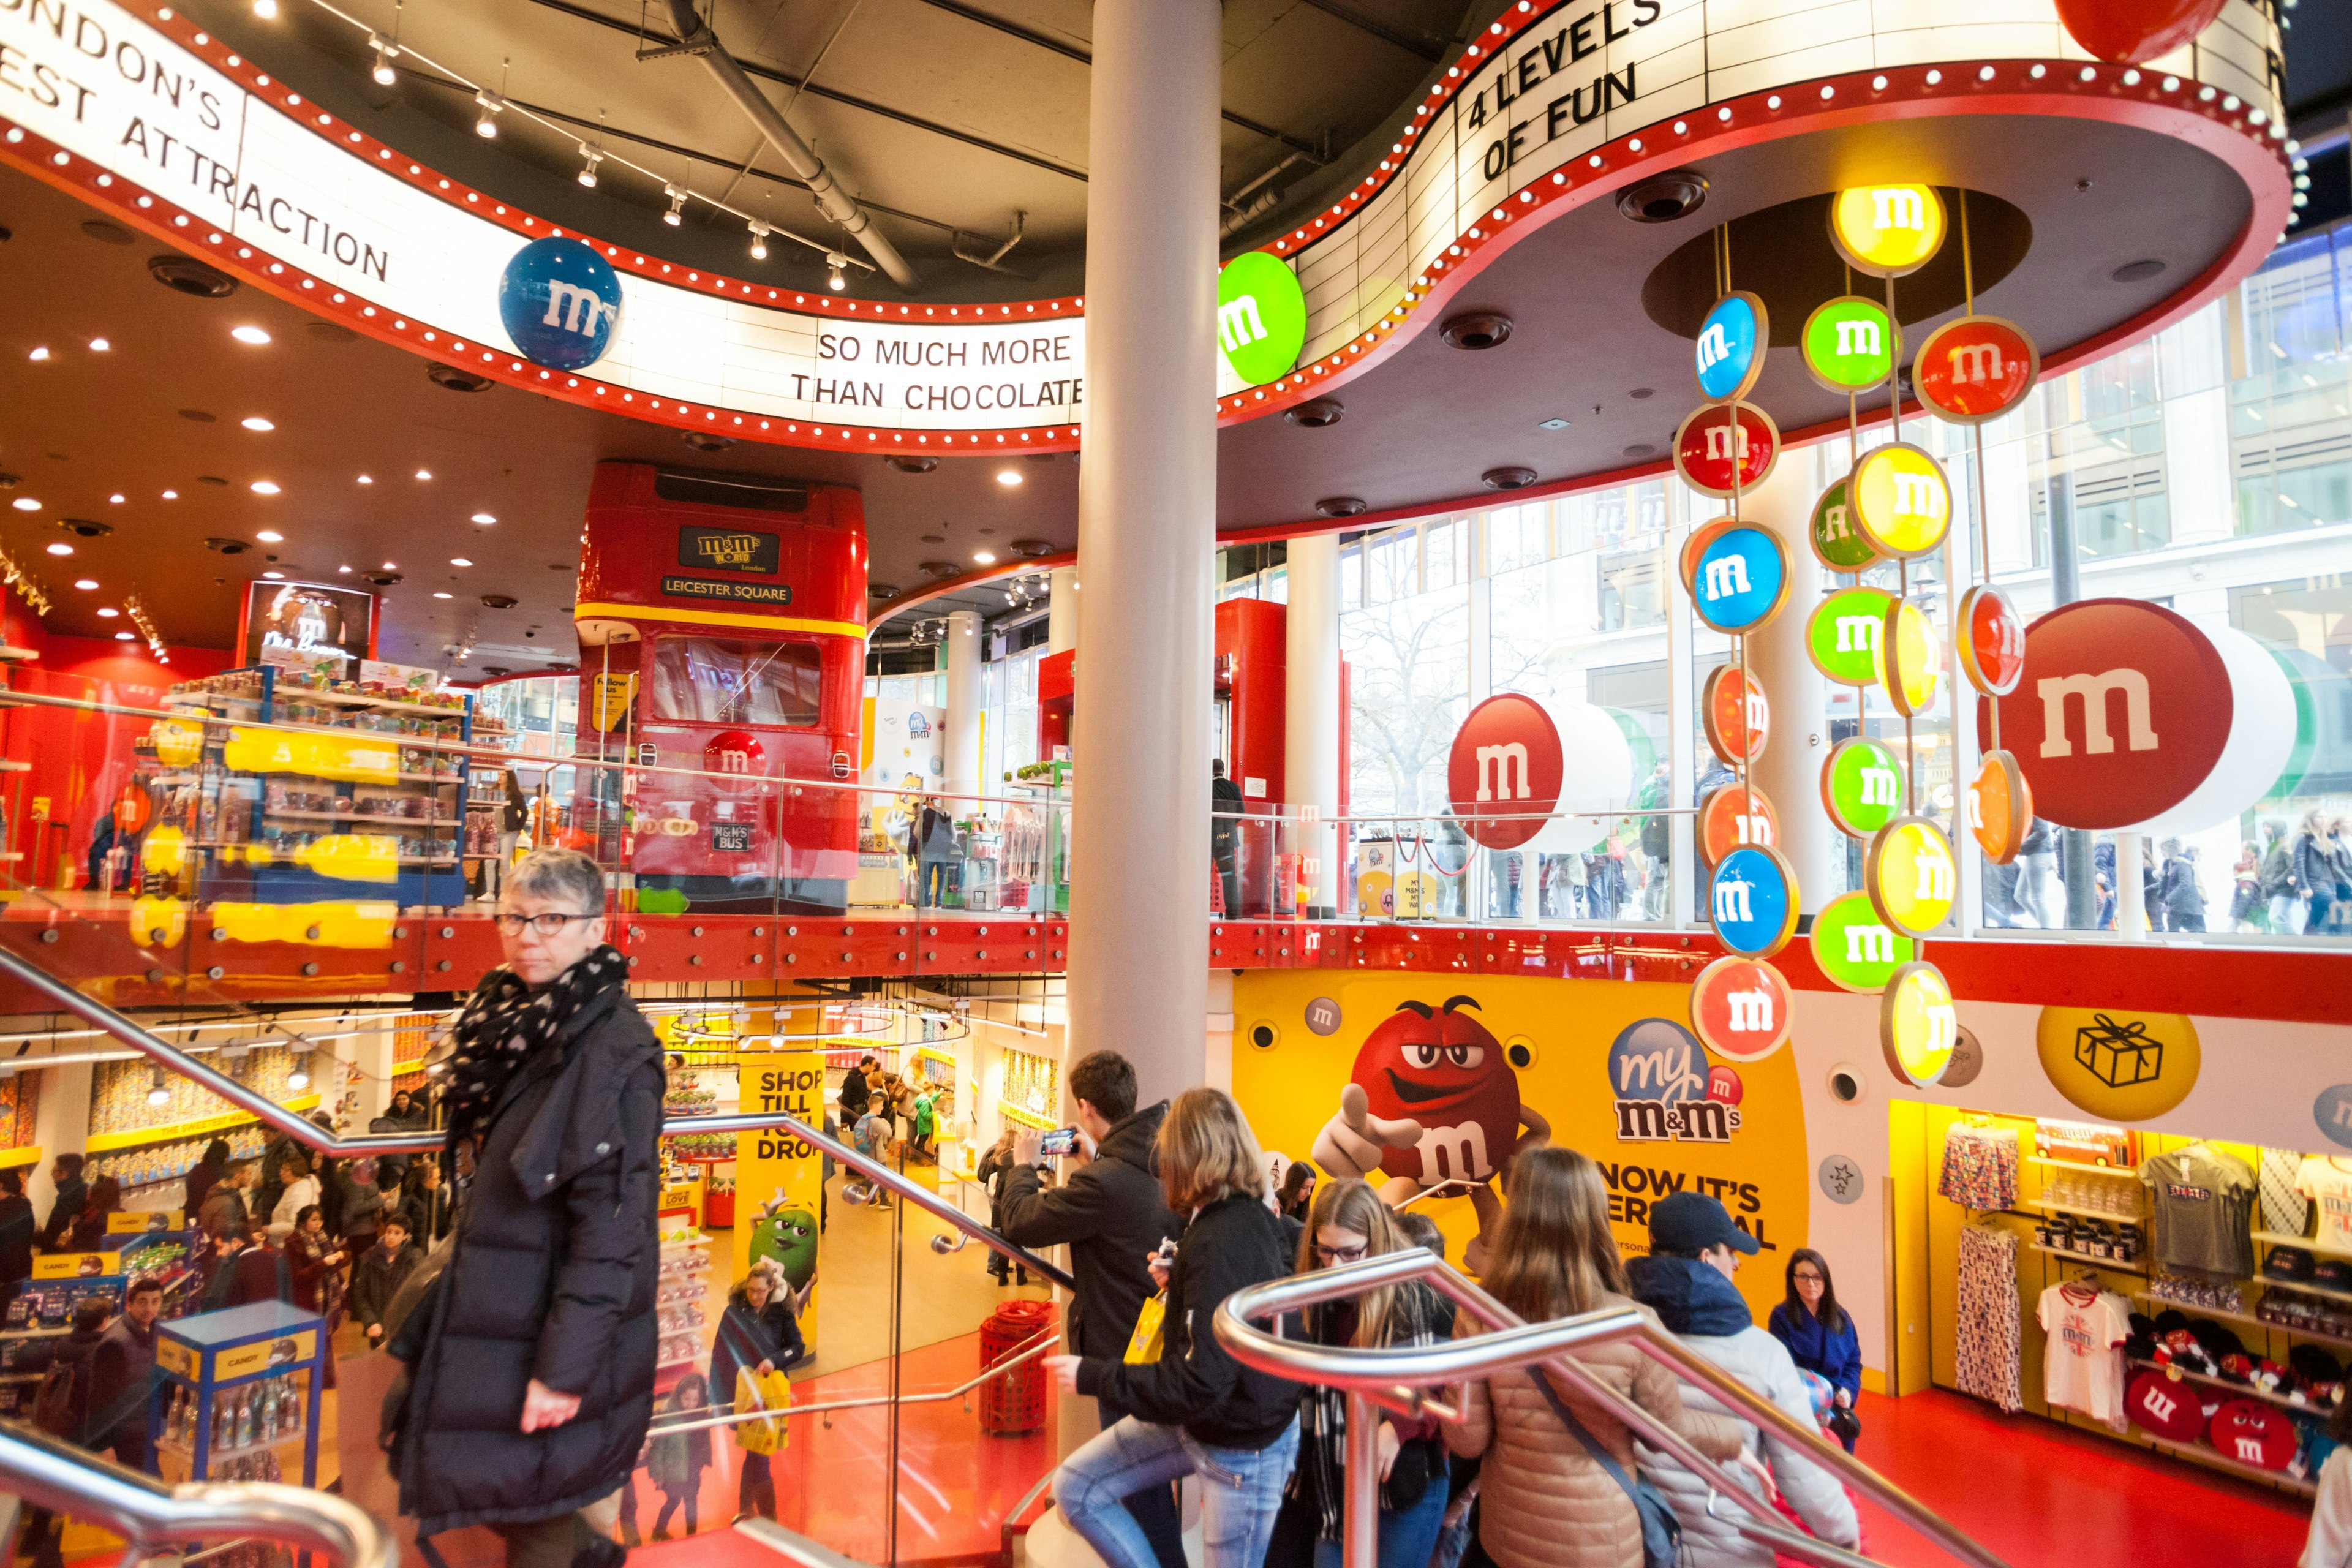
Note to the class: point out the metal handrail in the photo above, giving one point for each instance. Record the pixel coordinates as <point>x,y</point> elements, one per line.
<point>146,1512</point>
<point>1394,1377</point>
<point>1031,1348</point>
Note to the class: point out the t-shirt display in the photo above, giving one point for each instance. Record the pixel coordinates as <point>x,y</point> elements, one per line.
<point>2203,1202</point>
<point>2327,1180</point>
<point>2082,1364</point>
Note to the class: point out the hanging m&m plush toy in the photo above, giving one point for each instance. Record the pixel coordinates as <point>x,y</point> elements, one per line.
<point>1432,1101</point>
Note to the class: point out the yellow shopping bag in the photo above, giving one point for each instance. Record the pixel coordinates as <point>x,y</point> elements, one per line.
<point>1143,1346</point>
<point>770,1434</point>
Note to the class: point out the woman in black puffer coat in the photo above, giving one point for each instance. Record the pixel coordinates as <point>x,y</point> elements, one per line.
<point>531,1360</point>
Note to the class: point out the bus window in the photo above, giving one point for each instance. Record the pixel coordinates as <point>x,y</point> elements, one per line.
<point>721,680</point>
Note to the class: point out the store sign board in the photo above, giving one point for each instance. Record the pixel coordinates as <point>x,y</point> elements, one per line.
<point>1260,319</point>
<point>1856,950</point>
<point>1752,899</point>
<point>779,1177</point>
<point>730,548</point>
<point>1710,440</point>
<point>1910,875</point>
<point>1850,345</point>
<point>1663,1089</point>
<point>1901,501</point>
<point>1733,816</point>
<point>1918,1024</point>
<point>1842,634</point>
<point>1735,714</point>
<point>2127,707</point>
<point>1741,578</point>
<point>1975,369</point>
<point>1837,544</point>
<point>1862,786</point>
<point>1729,354</point>
<point>1888,230</point>
<point>775,593</point>
<point>296,1349</point>
<point>252,167</point>
<point>1742,1008</point>
<point>1507,763</point>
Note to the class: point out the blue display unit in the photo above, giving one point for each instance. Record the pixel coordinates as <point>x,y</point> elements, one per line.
<point>237,1388</point>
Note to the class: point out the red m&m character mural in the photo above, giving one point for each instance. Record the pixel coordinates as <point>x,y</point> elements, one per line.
<point>1434,1102</point>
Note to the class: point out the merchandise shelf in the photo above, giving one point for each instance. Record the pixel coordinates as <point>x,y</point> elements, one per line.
<point>1027,1118</point>
<point>10,1159</point>
<point>2109,1264</point>
<point>2161,1303</point>
<point>2044,1160</point>
<point>2280,1238</point>
<point>107,1143</point>
<point>2240,1389</point>
<point>2054,1207</point>
<point>2197,1453</point>
<point>2268,1284</point>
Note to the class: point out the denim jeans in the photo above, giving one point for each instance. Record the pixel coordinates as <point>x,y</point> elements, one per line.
<point>1241,1489</point>
<point>1407,1539</point>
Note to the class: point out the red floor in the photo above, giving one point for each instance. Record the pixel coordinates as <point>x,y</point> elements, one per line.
<point>2034,1493</point>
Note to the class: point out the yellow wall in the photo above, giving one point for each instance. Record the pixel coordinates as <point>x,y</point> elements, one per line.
<point>1564,1029</point>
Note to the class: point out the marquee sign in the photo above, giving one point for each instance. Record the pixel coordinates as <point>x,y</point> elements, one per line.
<point>252,175</point>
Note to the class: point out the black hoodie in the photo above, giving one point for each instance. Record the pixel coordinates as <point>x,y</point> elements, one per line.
<point>1232,1243</point>
<point>1112,1213</point>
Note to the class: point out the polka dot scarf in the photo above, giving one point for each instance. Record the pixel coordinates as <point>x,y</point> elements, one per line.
<point>505,1021</point>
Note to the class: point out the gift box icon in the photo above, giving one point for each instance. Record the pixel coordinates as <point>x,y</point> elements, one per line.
<point>2118,1055</point>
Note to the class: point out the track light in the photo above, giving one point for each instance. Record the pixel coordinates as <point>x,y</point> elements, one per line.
<point>834,262</point>
<point>486,126</point>
<point>759,232</point>
<point>588,169</point>
<point>300,1077</point>
<point>159,1092</point>
<point>676,205</point>
<point>384,52</point>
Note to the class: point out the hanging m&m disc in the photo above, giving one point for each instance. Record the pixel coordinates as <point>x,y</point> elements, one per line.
<point>1975,369</point>
<point>1729,354</point>
<point>1901,501</point>
<point>2000,808</point>
<point>1862,786</point>
<point>1991,641</point>
<point>1733,711</point>
<point>1725,447</point>
<point>1842,634</point>
<point>1739,577</point>
<point>1888,230</point>
<point>1741,1007</point>
<point>1733,816</point>
<point>1753,900</point>
<point>1919,1025</point>
<point>1854,947</point>
<point>1909,658</point>
<point>1837,544</point>
<point>1910,875</point>
<point>1850,345</point>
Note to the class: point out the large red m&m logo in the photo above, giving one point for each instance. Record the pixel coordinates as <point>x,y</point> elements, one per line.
<point>1506,770</point>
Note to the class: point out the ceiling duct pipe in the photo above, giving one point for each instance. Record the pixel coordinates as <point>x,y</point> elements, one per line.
<point>994,259</point>
<point>695,37</point>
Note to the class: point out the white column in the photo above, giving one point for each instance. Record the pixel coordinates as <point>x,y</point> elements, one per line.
<point>964,704</point>
<point>1146,509</point>
<point>1310,741</point>
<point>1062,610</point>
<point>1789,771</point>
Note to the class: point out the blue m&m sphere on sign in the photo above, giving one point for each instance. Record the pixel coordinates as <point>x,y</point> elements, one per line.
<point>561,303</point>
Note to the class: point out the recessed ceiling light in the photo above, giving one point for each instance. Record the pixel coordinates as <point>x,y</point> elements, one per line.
<point>1008,476</point>
<point>99,345</point>
<point>390,567</point>
<point>108,613</point>
<point>367,478</point>
<point>460,561</point>
<point>265,488</point>
<point>424,473</point>
<point>38,355</point>
<point>256,422</point>
<point>248,334</point>
<point>343,569</point>
<point>440,596</point>
<point>62,548</point>
<point>116,499</point>
<point>483,517</point>
<point>124,637</point>
<point>26,503</point>
<point>270,536</point>
<point>171,495</point>
<point>87,584</point>
<point>984,557</point>
<point>273,574</point>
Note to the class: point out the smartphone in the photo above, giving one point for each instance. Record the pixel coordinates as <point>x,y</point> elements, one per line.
<point>1167,1253</point>
<point>1060,1140</point>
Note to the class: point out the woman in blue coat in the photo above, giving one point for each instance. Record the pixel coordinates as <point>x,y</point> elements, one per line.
<point>1818,1332</point>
